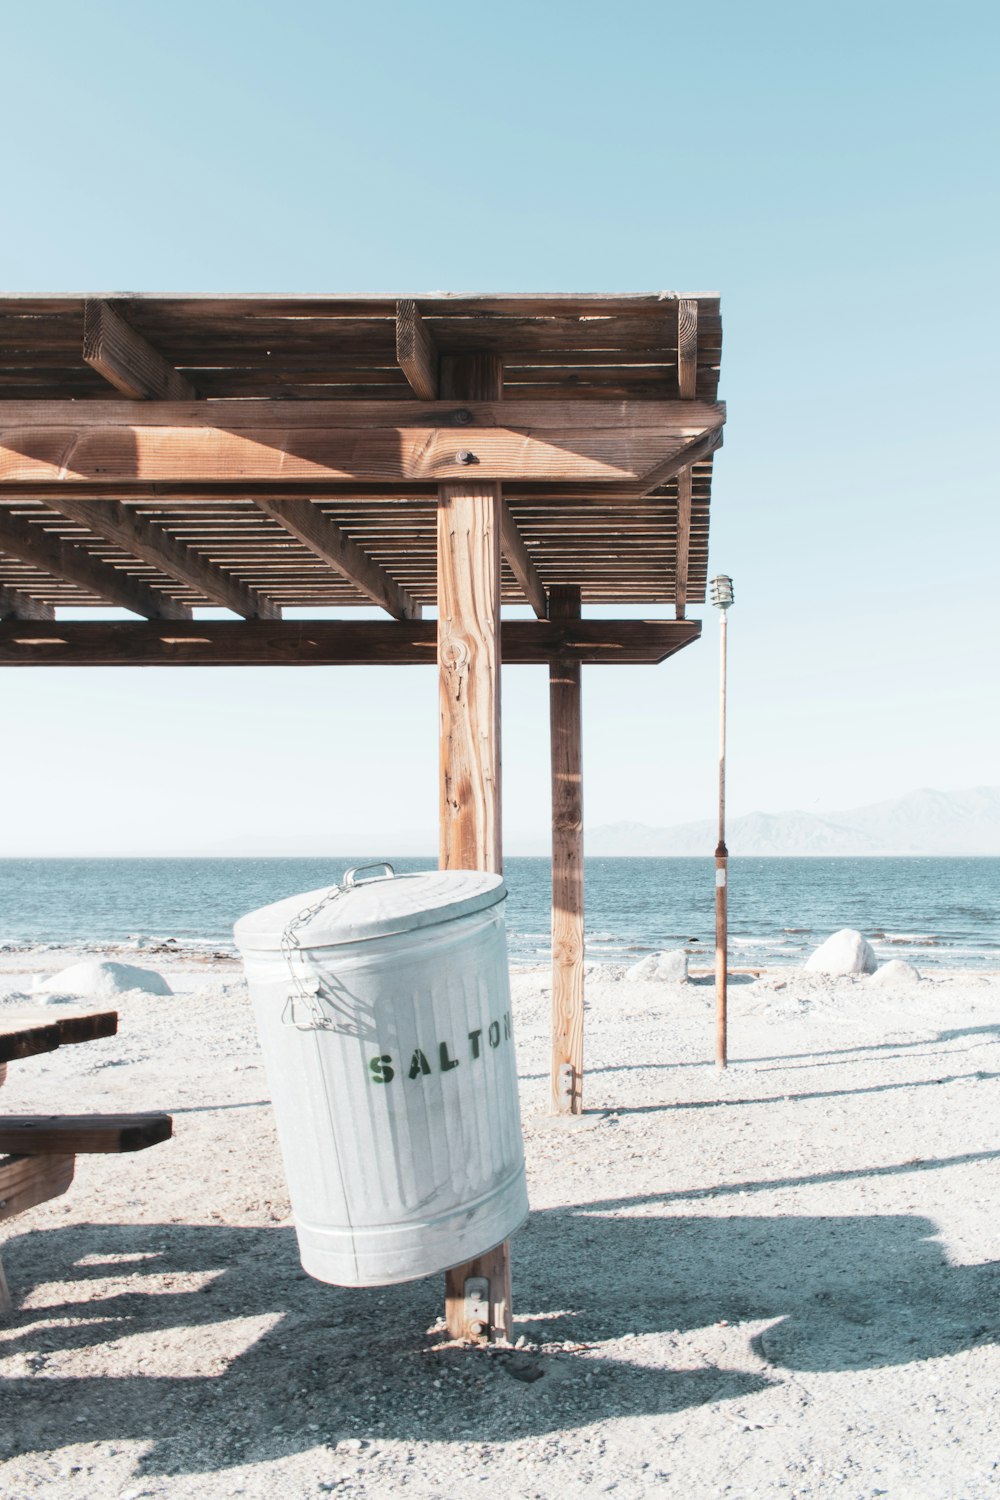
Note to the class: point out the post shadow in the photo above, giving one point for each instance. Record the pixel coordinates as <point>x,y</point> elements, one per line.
<point>838,1293</point>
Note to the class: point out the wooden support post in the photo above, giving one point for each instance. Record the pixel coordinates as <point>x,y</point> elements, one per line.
<point>567,867</point>
<point>468,591</point>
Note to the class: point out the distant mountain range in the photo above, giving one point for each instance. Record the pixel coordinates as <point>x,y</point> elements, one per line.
<point>922,822</point>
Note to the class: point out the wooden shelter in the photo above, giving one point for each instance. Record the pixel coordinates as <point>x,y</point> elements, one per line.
<point>462,452</point>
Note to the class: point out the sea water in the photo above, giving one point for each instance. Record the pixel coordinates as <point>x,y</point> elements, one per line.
<point>936,913</point>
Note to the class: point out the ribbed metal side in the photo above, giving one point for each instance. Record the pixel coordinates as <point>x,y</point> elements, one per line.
<point>398,1119</point>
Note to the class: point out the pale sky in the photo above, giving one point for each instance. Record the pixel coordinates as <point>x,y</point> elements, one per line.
<point>830,170</point>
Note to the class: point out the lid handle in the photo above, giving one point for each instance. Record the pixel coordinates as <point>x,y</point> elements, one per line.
<point>350,876</point>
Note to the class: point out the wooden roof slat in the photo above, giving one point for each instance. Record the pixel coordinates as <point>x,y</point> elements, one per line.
<point>64,560</point>
<point>146,540</point>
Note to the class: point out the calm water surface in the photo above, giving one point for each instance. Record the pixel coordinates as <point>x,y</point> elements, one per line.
<point>942,913</point>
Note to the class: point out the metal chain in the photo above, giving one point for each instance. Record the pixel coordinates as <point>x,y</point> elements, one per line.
<point>291,949</point>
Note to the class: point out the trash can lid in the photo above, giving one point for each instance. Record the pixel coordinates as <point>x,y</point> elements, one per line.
<point>358,909</point>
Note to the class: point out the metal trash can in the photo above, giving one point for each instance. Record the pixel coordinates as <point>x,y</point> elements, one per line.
<point>383,1009</point>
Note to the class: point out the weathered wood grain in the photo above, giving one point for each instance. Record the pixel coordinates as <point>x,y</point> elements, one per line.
<point>52,1135</point>
<point>63,560</point>
<point>519,561</point>
<point>468,653</point>
<point>416,351</point>
<point>128,361</point>
<point>15,605</point>
<point>145,539</point>
<point>304,643</point>
<point>74,1026</point>
<point>566,750</point>
<point>27,1180</point>
<point>683,547</point>
<point>687,348</point>
<point>328,542</point>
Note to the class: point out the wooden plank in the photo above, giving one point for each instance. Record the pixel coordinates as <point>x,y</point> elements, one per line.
<point>63,560</point>
<point>416,351</point>
<point>50,1135</point>
<point>146,540</point>
<point>450,413</point>
<point>683,552</point>
<point>468,654</point>
<point>391,443</point>
<point>74,1026</point>
<point>14,605</point>
<point>494,1267</point>
<point>696,451</point>
<point>327,541</point>
<point>27,1038</point>
<point>566,748</point>
<point>519,561</point>
<point>261,643</point>
<point>128,361</point>
<point>687,348</point>
<point>28,1180</point>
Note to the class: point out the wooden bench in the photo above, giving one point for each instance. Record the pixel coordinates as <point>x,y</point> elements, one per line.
<point>38,1152</point>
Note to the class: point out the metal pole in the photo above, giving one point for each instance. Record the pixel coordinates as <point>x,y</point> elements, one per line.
<point>721,870</point>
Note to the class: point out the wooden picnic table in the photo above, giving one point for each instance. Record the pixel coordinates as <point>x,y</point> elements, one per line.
<point>38,1152</point>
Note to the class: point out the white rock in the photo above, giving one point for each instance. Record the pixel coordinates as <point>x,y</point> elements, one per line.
<point>102,979</point>
<point>847,952</point>
<point>896,972</point>
<point>670,967</point>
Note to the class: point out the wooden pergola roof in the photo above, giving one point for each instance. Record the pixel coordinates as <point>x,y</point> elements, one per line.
<point>164,453</point>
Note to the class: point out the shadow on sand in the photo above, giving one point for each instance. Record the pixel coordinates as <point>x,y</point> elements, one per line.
<point>323,1363</point>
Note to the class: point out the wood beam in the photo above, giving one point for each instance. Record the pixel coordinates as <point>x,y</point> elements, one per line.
<point>416,351</point>
<point>14,605</point>
<point>683,552</point>
<point>327,643</point>
<point>694,452</point>
<point>519,560</point>
<point>143,538</point>
<point>566,748</point>
<point>128,361</point>
<point>27,1180</point>
<point>468,654</point>
<point>687,347</point>
<point>326,540</point>
<point>72,564</point>
<point>43,1135</point>
<point>397,444</point>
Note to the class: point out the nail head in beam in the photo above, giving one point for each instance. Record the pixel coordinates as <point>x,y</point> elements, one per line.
<point>15,605</point>
<point>683,549</point>
<point>687,348</point>
<point>307,523</point>
<point>127,360</point>
<point>416,351</point>
<point>31,544</point>
<point>148,541</point>
<point>520,563</point>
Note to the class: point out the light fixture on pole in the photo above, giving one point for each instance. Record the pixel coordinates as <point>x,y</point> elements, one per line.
<point>722,598</point>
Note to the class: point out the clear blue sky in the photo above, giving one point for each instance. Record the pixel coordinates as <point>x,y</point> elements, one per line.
<point>831,170</point>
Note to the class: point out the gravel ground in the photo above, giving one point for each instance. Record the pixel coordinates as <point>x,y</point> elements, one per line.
<point>777,1280</point>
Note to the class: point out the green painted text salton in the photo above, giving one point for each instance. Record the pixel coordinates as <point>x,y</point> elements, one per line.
<point>383,1067</point>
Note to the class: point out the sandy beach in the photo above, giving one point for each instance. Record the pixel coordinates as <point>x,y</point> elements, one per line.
<point>777,1280</point>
